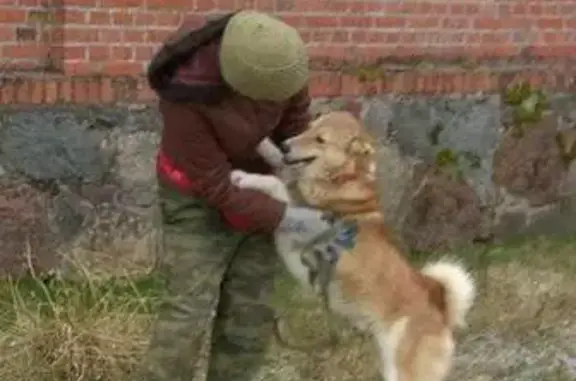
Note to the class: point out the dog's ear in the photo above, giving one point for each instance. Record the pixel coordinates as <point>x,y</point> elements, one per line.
<point>363,150</point>
<point>361,146</point>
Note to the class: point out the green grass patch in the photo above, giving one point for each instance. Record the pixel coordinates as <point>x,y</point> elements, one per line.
<point>97,328</point>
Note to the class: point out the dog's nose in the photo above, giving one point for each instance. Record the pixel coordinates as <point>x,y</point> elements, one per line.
<point>285,148</point>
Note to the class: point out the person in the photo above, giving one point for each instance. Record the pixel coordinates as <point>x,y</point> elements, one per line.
<point>223,88</point>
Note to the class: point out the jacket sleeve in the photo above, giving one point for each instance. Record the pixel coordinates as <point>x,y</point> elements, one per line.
<point>296,117</point>
<point>188,141</point>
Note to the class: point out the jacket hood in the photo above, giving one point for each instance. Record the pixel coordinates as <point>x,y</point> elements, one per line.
<point>186,68</point>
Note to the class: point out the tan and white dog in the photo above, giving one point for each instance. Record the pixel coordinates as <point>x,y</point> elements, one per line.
<point>411,312</point>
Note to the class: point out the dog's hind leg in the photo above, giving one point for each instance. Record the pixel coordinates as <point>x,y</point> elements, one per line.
<point>431,358</point>
<point>388,342</point>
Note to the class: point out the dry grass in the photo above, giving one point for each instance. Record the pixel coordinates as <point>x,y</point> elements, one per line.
<point>90,329</point>
<point>523,325</point>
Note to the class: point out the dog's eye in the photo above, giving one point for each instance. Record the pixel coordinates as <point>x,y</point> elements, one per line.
<point>320,139</point>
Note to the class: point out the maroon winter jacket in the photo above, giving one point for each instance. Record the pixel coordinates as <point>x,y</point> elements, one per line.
<point>209,129</point>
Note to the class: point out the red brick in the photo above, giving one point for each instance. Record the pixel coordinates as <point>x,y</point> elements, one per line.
<point>118,68</point>
<point>169,4</point>
<point>325,84</point>
<point>76,34</point>
<point>553,51</point>
<point>157,36</point>
<point>51,91</point>
<point>390,22</point>
<point>266,5</point>
<point>321,21</point>
<point>99,18</point>
<point>10,15</point>
<point>106,90</point>
<point>205,5</point>
<point>226,5</point>
<point>98,53</point>
<point>80,90</point>
<point>494,38</point>
<point>27,3</point>
<point>338,31</point>
<point>459,23</point>
<point>71,16</point>
<point>94,87</point>
<point>357,21</point>
<point>144,18</point>
<point>144,53</point>
<point>294,20</point>
<point>65,94</point>
<point>555,38</point>
<point>500,23</point>
<point>81,68</point>
<point>285,5</point>
<point>121,53</point>
<point>34,51</point>
<point>23,89</point>
<point>123,3</point>
<point>122,18</point>
<point>36,92</point>
<point>7,33</point>
<point>111,36</point>
<point>137,36</point>
<point>172,19</point>
<point>8,94</point>
<point>352,86</point>
<point>74,52</point>
<point>82,3</point>
<point>468,9</point>
<point>550,23</point>
<point>423,22</point>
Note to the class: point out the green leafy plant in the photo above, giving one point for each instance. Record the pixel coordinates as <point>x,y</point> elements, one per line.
<point>528,105</point>
<point>446,157</point>
<point>368,74</point>
<point>447,161</point>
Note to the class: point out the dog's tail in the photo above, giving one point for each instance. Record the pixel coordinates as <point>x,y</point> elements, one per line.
<point>459,288</point>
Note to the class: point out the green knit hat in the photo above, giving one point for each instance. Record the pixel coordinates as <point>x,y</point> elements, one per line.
<point>263,58</point>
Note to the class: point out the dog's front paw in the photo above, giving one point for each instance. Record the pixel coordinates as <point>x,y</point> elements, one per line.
<point>236,177</point>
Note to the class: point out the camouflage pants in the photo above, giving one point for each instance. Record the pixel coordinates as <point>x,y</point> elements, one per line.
<point>218,284</point>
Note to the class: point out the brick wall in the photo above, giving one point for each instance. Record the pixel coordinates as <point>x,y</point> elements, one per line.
<point>96,50</point>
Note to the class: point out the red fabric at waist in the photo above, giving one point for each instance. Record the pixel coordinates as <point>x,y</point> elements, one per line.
<point>168,171</point>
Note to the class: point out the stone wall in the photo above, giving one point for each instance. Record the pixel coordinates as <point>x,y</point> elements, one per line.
<point>78,182</point>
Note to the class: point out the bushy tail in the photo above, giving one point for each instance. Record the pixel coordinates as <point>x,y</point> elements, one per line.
<point>459,288</point>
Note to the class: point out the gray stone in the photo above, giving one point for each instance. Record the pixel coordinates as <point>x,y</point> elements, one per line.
<point>91,170</point>
<point>27,241</point>
<point>135,159</point>
<point>377,116</point>
<point>83,178</point>
<point>468,127</point>
<point>52,145</point>
<point>398,175</point>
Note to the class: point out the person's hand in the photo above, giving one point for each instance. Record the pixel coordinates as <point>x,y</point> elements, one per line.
<point>304,223</point>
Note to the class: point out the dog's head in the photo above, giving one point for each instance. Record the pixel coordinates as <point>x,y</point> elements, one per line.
<point>337,164</point>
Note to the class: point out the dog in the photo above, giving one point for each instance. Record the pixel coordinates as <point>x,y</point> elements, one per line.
<point>412,313</point>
